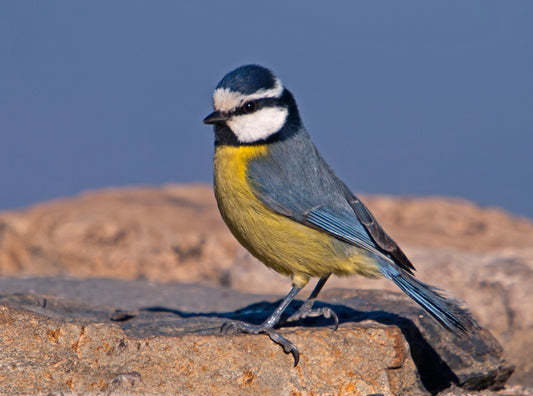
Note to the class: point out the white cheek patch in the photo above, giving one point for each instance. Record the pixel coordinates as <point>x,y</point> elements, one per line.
<point>257,126</point>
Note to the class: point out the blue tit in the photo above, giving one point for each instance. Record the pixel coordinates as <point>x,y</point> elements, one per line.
<point>287,207</point>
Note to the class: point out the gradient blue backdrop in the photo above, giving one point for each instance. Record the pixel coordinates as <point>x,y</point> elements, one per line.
<point>410,97</point>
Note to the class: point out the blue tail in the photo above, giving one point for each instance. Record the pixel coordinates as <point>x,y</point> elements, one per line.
<point>447,311</point>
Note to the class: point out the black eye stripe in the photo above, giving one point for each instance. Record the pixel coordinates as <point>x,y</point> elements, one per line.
<point>259,104</point>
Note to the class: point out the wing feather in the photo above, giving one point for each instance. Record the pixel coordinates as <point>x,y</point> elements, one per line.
<point>295,181</point>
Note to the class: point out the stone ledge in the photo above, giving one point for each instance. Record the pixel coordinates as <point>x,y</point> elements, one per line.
<point>385,345</point>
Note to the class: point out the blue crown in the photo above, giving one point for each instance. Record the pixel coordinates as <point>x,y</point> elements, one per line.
<point>248,79</point>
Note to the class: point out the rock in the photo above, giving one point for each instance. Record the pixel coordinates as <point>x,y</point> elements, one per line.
<point>384,344</point>
<point>174,233</point>
<point>508,391</point>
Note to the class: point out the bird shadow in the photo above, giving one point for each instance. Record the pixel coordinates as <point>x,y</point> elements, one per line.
<point>435,374</point>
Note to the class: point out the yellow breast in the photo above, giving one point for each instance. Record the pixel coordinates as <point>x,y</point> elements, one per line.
<point>280,243</point>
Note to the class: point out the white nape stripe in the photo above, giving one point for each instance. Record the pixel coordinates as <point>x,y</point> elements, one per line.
<point>249,128</point>
<point>226,100</point>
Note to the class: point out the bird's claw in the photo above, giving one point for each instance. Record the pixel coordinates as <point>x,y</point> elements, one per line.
<point>307,311</point>
<point>242,327</point>
<point>288,346</point>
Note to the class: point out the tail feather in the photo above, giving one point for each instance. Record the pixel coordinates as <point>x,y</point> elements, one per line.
<point>446,311</point>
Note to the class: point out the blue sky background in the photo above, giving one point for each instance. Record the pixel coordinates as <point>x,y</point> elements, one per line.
<point>408,98</point>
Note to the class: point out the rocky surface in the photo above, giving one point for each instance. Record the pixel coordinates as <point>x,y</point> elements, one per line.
<point>481,255</point>
<point>166,339</point>
<point>175,233</point>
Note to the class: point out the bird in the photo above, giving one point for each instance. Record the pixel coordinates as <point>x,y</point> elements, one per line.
<point>285,205</point>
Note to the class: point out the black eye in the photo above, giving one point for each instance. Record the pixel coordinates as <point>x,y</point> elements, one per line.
<point>250,107</point>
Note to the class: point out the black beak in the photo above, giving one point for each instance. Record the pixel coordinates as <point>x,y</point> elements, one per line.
<point>216,117</point>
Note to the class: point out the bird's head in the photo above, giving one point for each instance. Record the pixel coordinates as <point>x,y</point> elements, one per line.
<point>252,102</point>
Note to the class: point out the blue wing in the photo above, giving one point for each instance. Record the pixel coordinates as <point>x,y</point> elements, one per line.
<point>294,180</point>
<point>347,231</point>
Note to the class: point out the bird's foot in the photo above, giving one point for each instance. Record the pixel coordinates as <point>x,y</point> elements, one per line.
<point>307,311</point>
<point>242,327</point>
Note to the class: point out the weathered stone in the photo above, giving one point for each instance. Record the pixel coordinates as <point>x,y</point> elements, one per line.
<point>384,344</point>
<point>481,255</point>
<point>175,233</point>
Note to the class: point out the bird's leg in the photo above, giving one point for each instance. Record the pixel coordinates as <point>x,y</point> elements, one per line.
<point>307,311</point>
<point>267,327</point>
